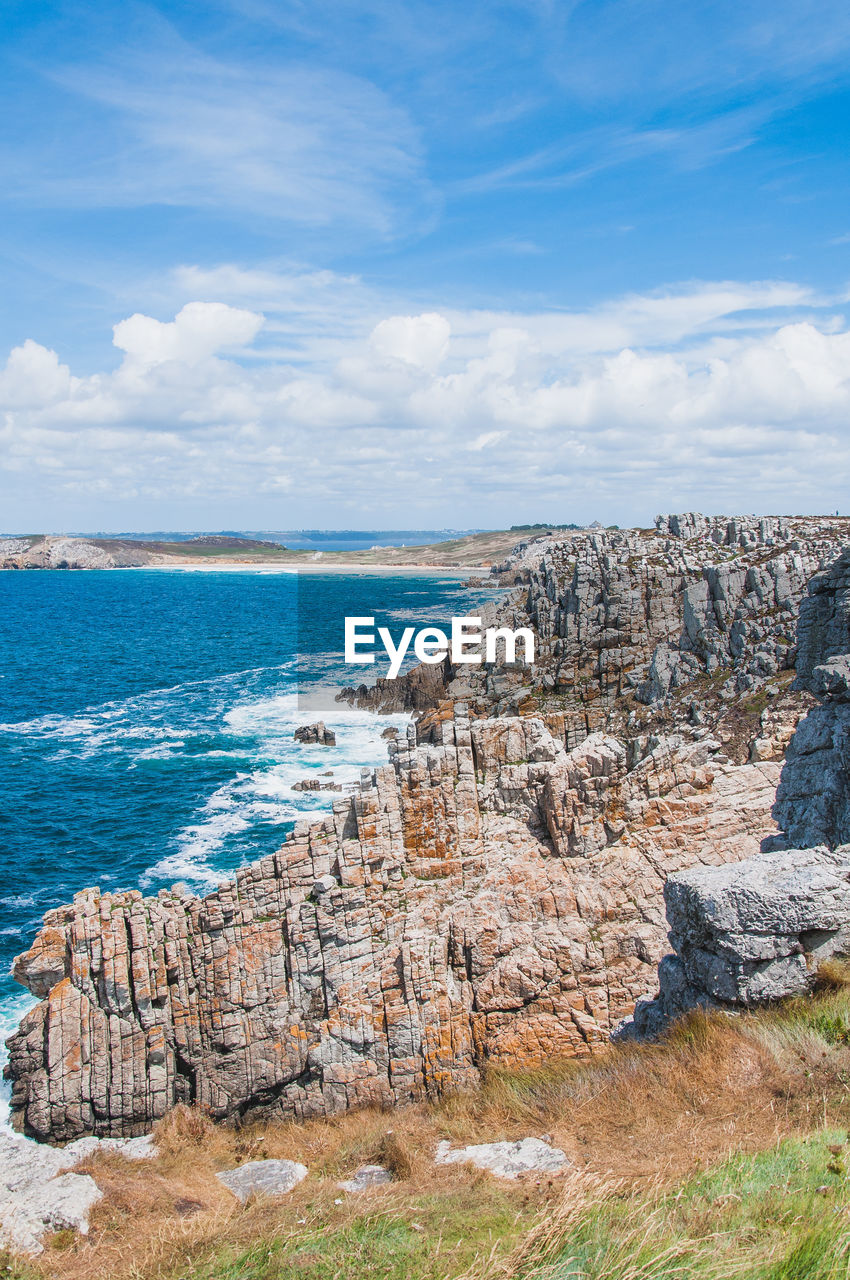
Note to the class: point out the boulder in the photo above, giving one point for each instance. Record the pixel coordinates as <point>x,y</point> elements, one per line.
<point>263,1177</point>
<point>749,933</point>
<point>38,1193</point>
<point>506,1159</point>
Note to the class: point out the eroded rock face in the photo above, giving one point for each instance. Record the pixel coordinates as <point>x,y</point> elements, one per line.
<point>627,620</point>
<point>813,799</point>
<point>757,931</point>
<point>488,897</point>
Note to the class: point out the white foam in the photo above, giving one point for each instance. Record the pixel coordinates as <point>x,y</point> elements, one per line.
<point>265,795</point>
<point>12,1009</point>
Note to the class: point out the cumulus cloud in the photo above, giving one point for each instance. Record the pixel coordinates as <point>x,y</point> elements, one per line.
<point>198,331</point>
<point>714,395</point>
<point>415,340</point>
<point>33,376</point>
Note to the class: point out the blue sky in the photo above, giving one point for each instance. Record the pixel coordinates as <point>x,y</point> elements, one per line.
<point>273,264</point>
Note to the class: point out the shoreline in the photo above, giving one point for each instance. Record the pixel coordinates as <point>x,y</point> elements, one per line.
<point>271,566</point>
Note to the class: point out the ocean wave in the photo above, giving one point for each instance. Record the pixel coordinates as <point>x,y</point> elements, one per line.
<point>92,718</point>
<point>218,838</point>
<point>12,1009</point>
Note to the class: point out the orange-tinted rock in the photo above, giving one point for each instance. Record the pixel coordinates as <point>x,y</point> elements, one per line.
<point>488,898</point>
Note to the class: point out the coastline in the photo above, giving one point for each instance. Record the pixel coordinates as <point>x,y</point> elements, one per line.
<point>317,567</point>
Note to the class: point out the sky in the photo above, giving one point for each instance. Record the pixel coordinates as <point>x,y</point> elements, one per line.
<point>269,264</point>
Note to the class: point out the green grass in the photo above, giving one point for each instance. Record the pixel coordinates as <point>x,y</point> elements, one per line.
<point>779,1215</point>
<point>438,1236</point>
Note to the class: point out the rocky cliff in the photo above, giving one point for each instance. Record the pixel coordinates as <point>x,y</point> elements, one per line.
<point>69,553</point>
<point>493,894</point>
<point>758,931</point>
<point>642,628</point>
<point>490,898</point>
<point>813,800</point>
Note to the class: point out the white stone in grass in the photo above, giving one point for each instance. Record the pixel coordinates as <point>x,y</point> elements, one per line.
<point>39,1194</point>
<point>507,1159</point>
<point>263,1177</point>
<point>368,1175</point>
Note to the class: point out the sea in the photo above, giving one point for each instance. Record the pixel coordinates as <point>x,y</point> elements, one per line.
<point>147,720</point>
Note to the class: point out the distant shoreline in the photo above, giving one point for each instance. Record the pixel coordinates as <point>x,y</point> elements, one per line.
<point>335,568</point>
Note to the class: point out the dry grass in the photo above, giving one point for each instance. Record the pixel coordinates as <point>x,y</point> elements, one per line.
<point>635,1120</point>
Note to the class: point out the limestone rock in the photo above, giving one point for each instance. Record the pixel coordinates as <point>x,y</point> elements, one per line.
<point>813,798</point>
<point>823,633</point>
<point>506,1159</point>
<point>263,1177</point>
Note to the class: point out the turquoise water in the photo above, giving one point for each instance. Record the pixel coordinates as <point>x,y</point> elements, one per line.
<point>146,722</point>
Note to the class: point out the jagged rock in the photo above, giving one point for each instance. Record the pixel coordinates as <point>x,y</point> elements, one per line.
<point>263,1177</point>
<point>646,614</point>
<point>506,1159</point>
<point>823,632</point>
<point>429,925</point>
<point>726,531</point>
<point>368,1175</point>
<point>315,734</point>
<point>750,933</point>
<point>418,690</point>
<point>313,784</point>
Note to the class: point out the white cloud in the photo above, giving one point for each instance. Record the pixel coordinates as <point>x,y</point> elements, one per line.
<point>421,341</point>
<point>33,376</point>
<point>198,331</point>
<point>714,395</point>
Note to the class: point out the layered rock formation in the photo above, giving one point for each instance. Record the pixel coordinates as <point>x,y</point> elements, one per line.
<point>493,894</point>
<point>813,800</point>
<point>630,623</point>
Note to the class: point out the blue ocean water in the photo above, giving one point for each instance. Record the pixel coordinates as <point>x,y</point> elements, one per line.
<point>146,722</point>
